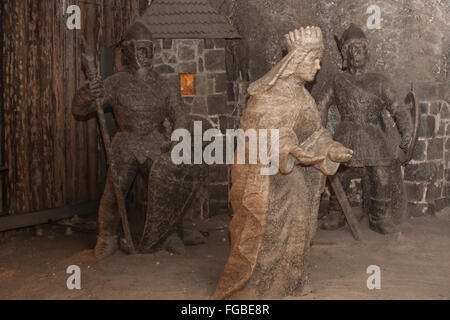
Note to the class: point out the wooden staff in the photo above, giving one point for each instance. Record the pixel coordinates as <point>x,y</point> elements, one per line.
<point>91,74</point>
<point>346,208</point>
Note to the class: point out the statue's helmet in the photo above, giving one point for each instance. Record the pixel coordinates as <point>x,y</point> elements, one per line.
<point>137,44</point>
<point>351,35</point>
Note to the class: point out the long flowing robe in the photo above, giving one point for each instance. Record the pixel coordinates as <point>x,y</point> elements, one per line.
<point>275,217</point>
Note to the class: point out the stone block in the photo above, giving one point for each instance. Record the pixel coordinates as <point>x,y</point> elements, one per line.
<point>187,67</point>
<point>435,150</point>
<point>164,69</point>
<point>186,53</point>
<point>421,172</point>
<point>435,108</point>
<point>215,60</point>
<point>419,151</point>
<point>427,126</point>
<point>415,191</point>
<point>199,105</point>
<point>221,82</point>
<point>445,110</point>
<point>217,104</point>
<point>201,85</point>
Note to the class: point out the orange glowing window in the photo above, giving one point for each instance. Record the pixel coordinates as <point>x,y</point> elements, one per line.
<point>187,84</point>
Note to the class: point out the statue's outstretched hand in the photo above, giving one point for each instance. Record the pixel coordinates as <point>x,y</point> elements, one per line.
<point>305,158</point>
<point>339,153</point>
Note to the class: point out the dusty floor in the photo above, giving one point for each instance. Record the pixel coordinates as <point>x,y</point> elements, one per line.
<point>414,265</point>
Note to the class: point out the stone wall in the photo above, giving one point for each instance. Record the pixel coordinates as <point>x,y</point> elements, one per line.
<point>427,177</point>
<point>214,97</point>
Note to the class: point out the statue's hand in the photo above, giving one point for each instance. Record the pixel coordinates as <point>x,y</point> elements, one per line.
<point>404,144</point>
<point>305,158</point>
<point>96,88</point>
<point>339,153</point>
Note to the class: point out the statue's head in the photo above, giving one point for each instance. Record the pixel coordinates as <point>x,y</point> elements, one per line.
<point>301,63</point>
<point>306,46</point>
<point>354,49</point>
<point>137,46</point>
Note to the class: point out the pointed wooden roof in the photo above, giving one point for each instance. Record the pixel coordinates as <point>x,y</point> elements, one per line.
<point>187,19</point>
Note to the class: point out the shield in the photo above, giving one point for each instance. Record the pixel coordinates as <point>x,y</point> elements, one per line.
<point>405,157</point>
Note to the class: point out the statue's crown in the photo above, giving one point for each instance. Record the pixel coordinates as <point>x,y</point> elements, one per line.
<point>309,36</point>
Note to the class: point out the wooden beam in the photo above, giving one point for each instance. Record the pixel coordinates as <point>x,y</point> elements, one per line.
<point>31,219</point>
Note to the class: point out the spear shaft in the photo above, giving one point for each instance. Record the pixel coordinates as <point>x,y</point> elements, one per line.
<point>91,74</point>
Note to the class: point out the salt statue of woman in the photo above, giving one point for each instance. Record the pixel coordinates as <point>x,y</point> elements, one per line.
<point>275,216</point>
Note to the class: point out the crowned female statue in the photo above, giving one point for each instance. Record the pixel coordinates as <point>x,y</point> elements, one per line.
<point>275,216</point>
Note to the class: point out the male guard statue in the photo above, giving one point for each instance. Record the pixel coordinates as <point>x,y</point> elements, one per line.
<point>361,97</point>
<point>142,103</point>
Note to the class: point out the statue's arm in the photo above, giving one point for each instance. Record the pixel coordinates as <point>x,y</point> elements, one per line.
<point>319,151</point>
<point>325,100</point>
<point>400,114</point>
<point>84,100</point>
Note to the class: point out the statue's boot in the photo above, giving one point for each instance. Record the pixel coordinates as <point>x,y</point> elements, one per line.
<point>108,226</point>
<point>106,246</point>
<point>380,219</point>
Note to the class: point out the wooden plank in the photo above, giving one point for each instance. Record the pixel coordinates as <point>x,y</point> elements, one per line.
<point>46,216</point>
<point>348,210</point>
<point>91,33</point>
<point>19,102</point>
<point>59,145</point>
<point>70,122</point>
<point>2,127</point>
<point>35,110</point>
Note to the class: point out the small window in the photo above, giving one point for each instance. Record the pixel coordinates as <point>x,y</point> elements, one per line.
<point>187,84</point>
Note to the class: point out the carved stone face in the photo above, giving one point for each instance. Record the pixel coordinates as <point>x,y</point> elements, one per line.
<point>357,54</point>
<point>139,54</point>
<point>307,69</point>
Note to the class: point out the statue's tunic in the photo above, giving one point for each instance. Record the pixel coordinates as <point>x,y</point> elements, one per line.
<point>360,101</point>
<point>275,216</point>
<point>140,107</point>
